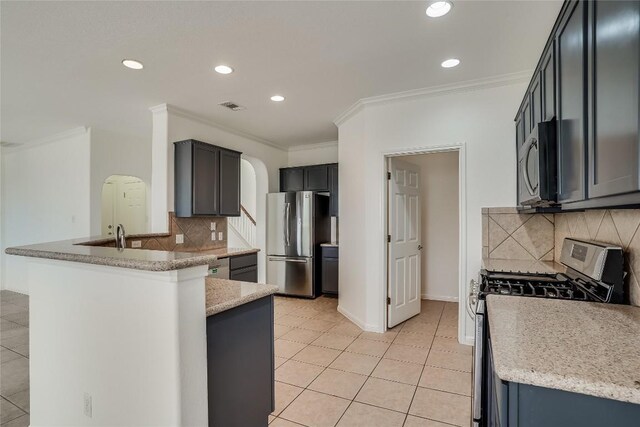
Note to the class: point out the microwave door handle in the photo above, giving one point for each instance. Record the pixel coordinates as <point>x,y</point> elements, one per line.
<point>525,171</point>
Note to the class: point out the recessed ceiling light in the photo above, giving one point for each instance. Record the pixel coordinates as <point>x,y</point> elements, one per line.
<point>133,64</point>
<point>223,69</point>
<point>439,8</point>
<point>450,63</point>
<point>277,98</point>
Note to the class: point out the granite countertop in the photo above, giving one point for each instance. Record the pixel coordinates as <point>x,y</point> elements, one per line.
<point>329,245</point>
<point>522,266</point>
<point>81,250</point>
<point>227,252</point>
<point>222,294</point>
<point>581,347</point>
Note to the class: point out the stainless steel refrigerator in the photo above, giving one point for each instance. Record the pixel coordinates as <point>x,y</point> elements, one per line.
<point>297,222</point>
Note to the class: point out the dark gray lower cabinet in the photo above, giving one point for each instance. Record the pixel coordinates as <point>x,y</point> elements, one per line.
<point>329,269</point>
<point>523,405</point>
<point>244,268</point>
<point>240,366</point>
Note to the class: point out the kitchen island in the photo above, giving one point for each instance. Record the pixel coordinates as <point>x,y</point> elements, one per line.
<point>119,337</point>
<point>559,362</point>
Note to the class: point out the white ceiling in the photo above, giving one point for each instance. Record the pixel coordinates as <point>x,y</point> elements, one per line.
<point>60,61</point>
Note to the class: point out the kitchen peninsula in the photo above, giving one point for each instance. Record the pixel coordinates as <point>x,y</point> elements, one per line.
<point>120,337</point>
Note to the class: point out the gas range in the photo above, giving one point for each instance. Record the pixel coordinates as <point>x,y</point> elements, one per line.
<point>594,272</point>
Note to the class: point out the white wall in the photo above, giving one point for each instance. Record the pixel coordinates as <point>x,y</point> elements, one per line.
<point>313,154</point>
<point>114,153</point>
<point>45,197</point>
<point>439,224</point>
<point>478,115</point>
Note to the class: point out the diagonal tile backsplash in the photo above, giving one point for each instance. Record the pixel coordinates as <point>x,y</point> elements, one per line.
<point>613,226</point>
<point>507,234</point>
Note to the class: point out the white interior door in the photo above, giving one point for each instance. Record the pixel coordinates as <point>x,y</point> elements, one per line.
<point>404,243</point>
<point>133,206</point>
<point>108,209</point>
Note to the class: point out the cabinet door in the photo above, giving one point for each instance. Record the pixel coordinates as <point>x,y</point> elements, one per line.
<point>229,183</point>
<point>329,275</point>
<point>571,103</point>
<point>291,179</point>
<point>526,117</point>
<point>613,97</point>
<point>535,100</point>
<point>548,77</point>
<point>333,190</point>
<point>316,178</point>
<point>205,179</point>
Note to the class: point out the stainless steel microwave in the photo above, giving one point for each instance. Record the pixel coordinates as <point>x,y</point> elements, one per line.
<point>537,167</point>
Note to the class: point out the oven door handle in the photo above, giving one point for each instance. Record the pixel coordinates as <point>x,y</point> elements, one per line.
<point>478,357</point>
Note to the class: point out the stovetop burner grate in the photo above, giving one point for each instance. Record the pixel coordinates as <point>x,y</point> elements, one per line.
<point>533,285</point>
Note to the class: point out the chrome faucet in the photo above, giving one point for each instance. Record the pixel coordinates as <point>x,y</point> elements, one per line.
<point>121,241</point>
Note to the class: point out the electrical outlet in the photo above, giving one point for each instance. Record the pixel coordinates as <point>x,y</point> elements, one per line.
<point>179,239</point>
<point>213,236</point>
<point>88,405</point>
<point>220,235</point>
<point>136,244</point>
<point>213,227</point>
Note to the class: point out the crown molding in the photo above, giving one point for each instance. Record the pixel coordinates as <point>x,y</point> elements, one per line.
<point>465,86</point>
<point>317,145</point>
<point>177,111</point>
<point>81,130</point>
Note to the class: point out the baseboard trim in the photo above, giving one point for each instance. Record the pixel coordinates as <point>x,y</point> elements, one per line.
<point>357,321</point>
<point>439,298</point>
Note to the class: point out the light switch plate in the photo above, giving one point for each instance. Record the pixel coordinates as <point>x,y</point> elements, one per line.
<point>220,235</point>
<point>213,227</point>
<point>213,236</point>
<point>179,239</point>
<point>136,244</point>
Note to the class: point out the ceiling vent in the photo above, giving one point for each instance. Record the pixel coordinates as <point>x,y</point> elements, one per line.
<point>233,106</point>
<point>9,144</point>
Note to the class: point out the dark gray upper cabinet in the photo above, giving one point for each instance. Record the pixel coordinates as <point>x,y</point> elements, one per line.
<point>316,178</point>
<point>548,76</point>
<point>207,180</point>
<point>614,71</point>
<point>229,183</point>
<point>526,116</point>
<point>291,179</point>
<point>333,190</point>
<point>571,101</point>
<point>535,100</point>
<point>322,178</point>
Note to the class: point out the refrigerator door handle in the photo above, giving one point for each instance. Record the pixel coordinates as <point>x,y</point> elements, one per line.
<point>287,226</point>
<point>302,261</point>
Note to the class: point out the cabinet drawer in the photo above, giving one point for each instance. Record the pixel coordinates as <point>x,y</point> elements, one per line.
<point>329,252</point>
<point>242,261</point>
<point>247,274</point>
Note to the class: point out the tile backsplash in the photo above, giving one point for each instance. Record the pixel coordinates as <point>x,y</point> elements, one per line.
<point>196,232</point>
<point>506,234</point>
<point>613,226</point>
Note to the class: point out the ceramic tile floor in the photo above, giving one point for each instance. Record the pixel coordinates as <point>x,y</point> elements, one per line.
<point>14,359</point>
<point>330,373</point>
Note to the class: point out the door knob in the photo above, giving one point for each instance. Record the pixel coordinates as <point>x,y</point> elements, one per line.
<point>419,247</point>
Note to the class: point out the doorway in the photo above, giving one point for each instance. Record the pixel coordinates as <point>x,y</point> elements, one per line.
<point>424,230</point>
<point>124,201</point>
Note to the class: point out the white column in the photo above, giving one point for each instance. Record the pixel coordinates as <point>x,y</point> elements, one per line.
<point>161,182</point>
